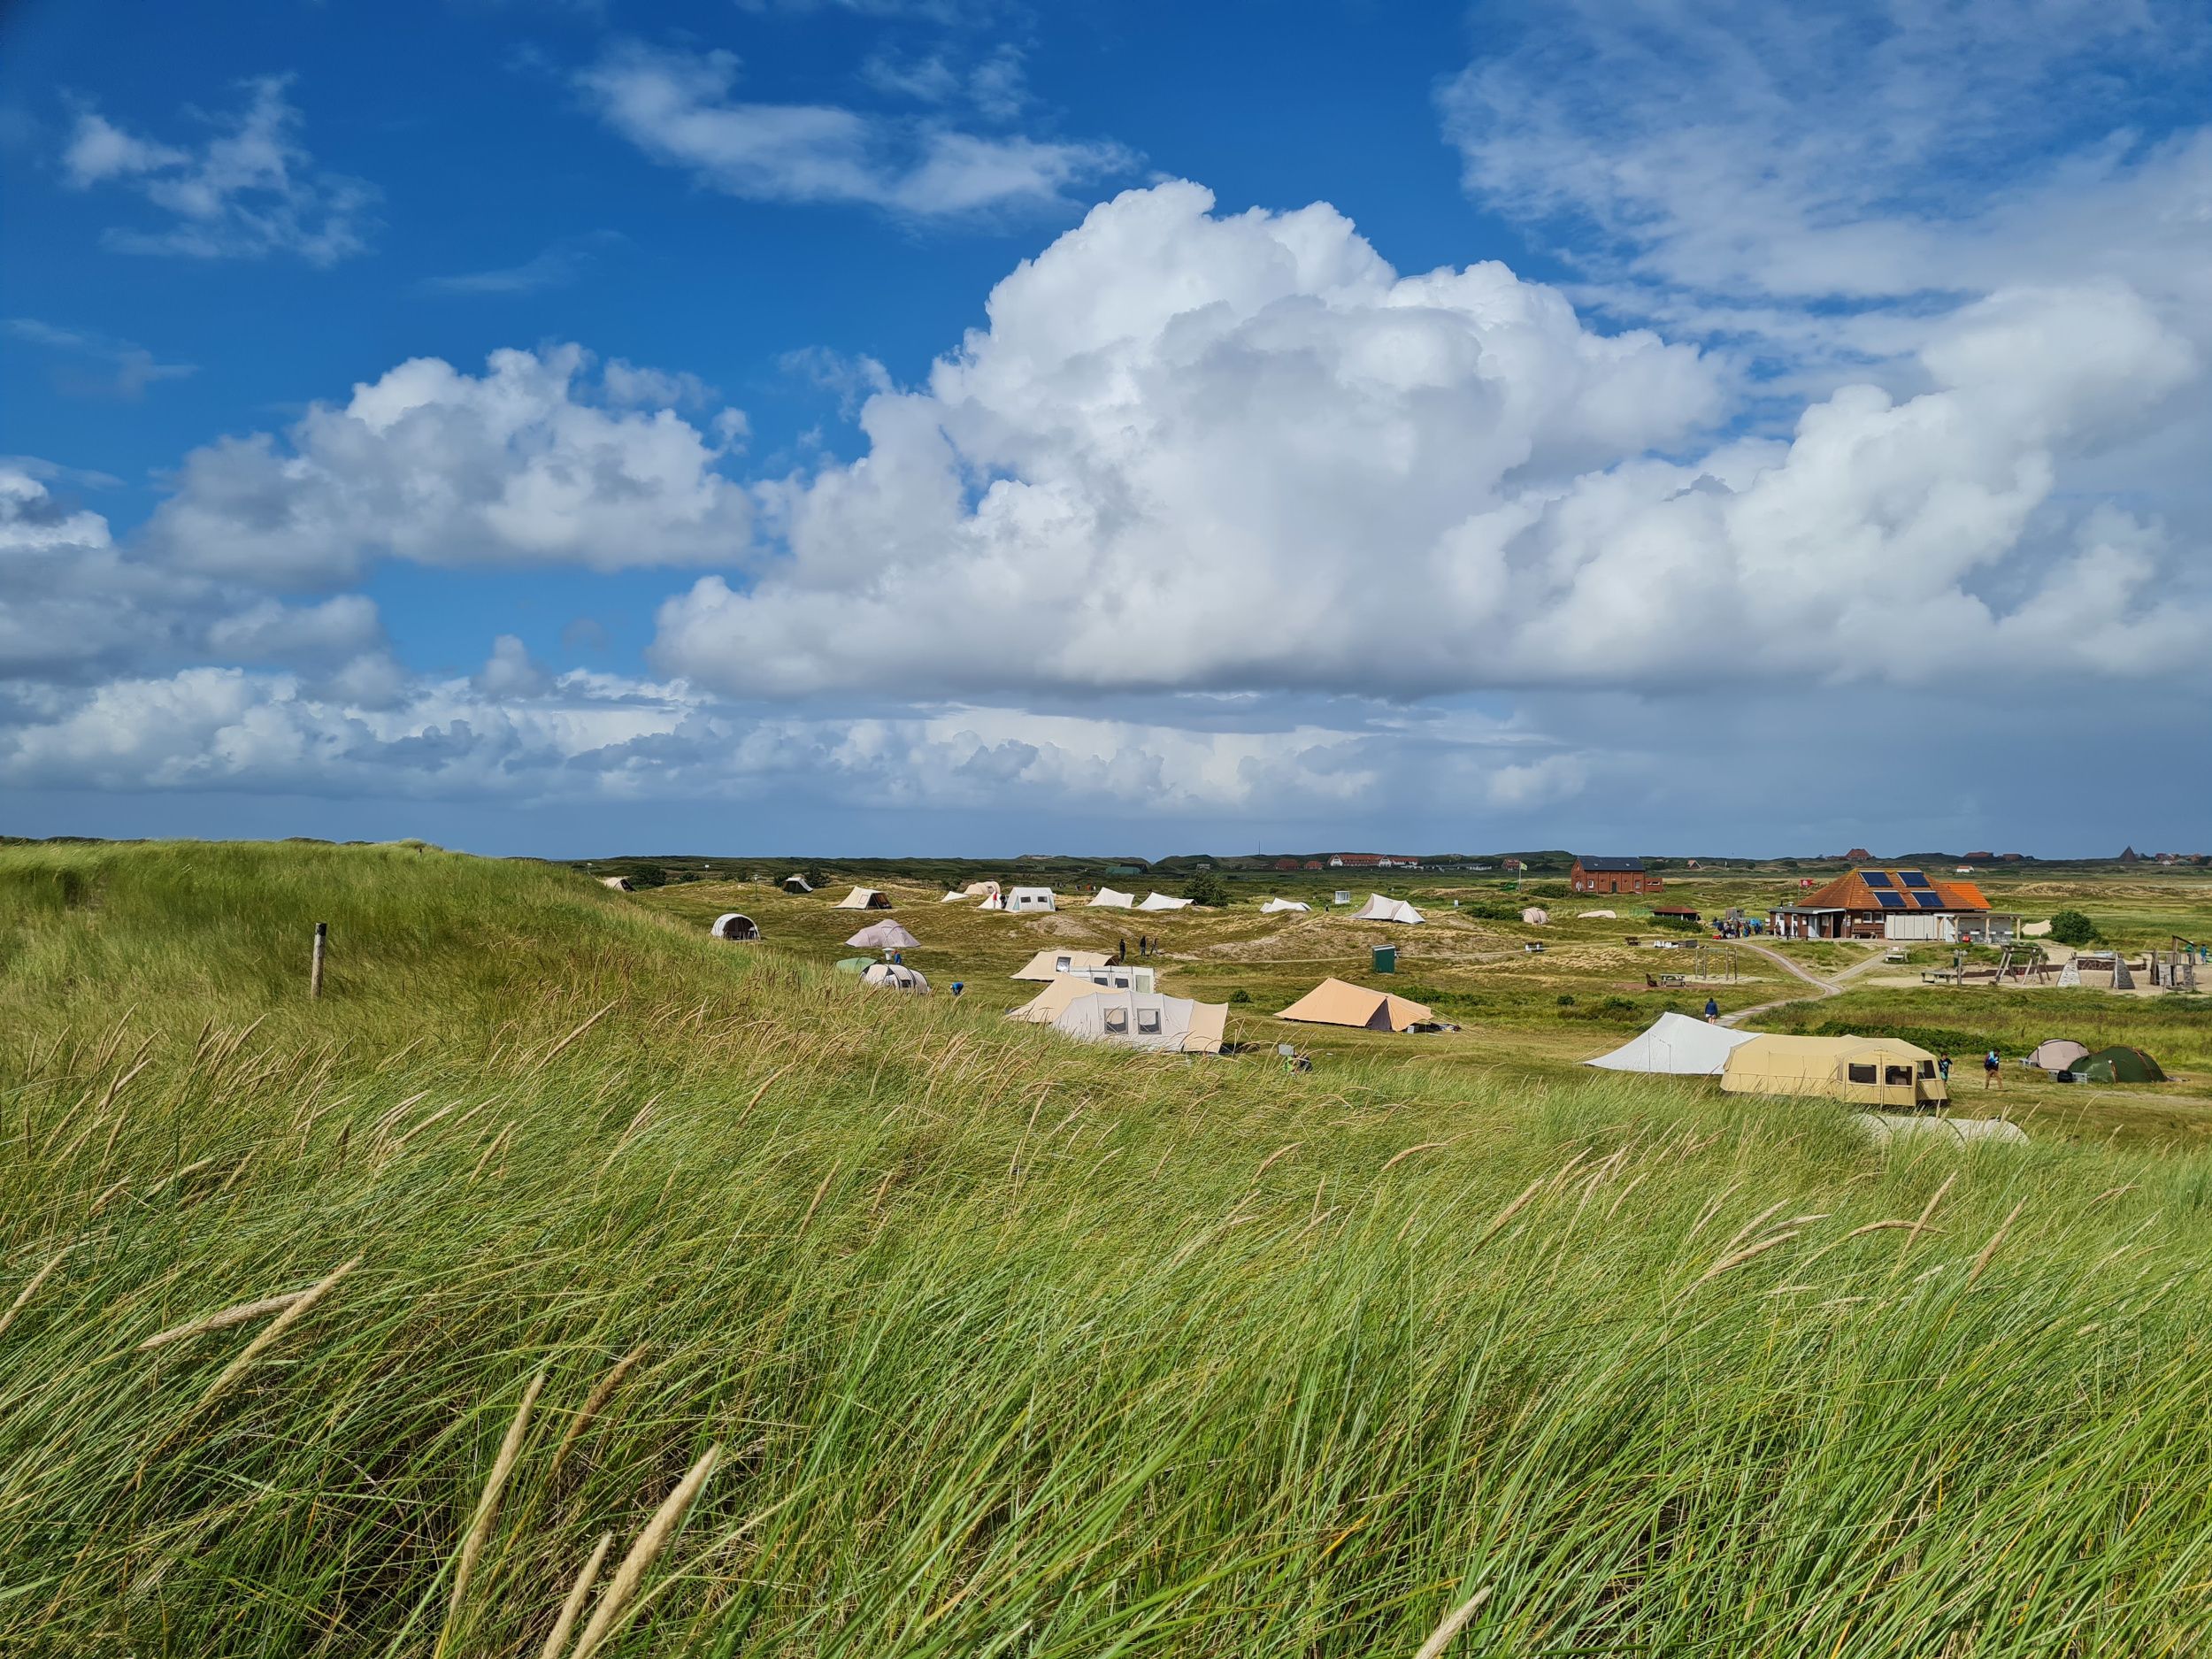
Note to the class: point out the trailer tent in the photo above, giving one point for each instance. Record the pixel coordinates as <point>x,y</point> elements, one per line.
<point>1378,909</point>
<point>1170,1024</point>
<point>1879,1072</point>
<point>1050,964</point>
<point>864,898</point>
<point>1334,1003</point>
<point>1675,1045</point>
<point>730,925</point>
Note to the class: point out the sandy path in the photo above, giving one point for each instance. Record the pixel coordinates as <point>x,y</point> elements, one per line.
<point>1821,988</point>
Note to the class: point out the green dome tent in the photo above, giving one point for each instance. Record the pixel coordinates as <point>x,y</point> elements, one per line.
<point>2118,1064</point>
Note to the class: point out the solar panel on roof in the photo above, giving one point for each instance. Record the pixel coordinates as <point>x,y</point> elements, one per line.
<point>1912,878</point>
<point>1929,901</point>
<point>1875,879</point>
<point>1892,901</point>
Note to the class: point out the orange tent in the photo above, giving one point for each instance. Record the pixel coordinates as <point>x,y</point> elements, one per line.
<point>1334,1003</point>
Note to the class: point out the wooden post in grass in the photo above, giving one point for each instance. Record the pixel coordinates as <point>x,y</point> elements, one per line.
<point>315,973</point>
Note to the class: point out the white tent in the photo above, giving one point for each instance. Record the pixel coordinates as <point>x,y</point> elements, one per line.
<point>897,975</point>
<point>797,884</point>
<point>620,884</point>
<point>951,898</point>
<point>1676,1045</point>
<point>1536,916</point>
<point>1107,898</point>
<point>1172,1025</point>
<point>980,890</point>
<point>885,936</point>
<point>1602,915</point>
<point>1378,909</point>
<point>864,898</point>
<point>1047,965</point>
<point>1274,906</point>
<point>1161,902</point>
<point>1030,899</point>
<point>730,925</point>
<point>995,902</point>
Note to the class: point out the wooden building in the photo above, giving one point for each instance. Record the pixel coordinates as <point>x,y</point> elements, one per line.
<point>1613,875</point>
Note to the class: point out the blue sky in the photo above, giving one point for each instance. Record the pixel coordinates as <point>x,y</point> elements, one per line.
<point>876,428</point>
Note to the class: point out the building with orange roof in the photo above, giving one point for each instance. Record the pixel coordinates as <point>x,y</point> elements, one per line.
<point>1893,903</point>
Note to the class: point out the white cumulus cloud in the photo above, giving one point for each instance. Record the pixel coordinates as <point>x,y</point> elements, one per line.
<point>532,462</point>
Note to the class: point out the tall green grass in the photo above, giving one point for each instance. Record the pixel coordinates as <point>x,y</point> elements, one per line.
<point>1002,1345</point>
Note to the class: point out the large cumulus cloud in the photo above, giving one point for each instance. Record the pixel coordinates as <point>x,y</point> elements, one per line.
<point>1242,452</point>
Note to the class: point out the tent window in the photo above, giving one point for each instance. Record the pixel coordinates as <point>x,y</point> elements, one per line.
<point>1864,1073</point>
<point>1898,1074</point>
<point>1118,1021</point>
<point>1061,964</point>
<point>1927,1068</point>
<point>1149,1020</point>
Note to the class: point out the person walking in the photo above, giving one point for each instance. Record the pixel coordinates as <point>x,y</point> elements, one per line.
<point>1989,1068</point>
<point>1121,950</point>
<point>1144,945</point>
<point>1712,1011</point>
<point>1943,1067</point>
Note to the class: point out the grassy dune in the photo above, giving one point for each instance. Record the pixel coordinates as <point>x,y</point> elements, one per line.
<point>948,1339</point>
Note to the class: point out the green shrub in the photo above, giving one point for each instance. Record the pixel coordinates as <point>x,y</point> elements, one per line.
<point>1208,889</point>
<point>2071,927</point>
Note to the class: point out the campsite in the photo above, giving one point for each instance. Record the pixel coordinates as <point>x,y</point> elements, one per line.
<point>693,1251</point>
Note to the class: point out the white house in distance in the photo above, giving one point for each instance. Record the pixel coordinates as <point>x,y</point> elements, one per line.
<point>1030,899</point>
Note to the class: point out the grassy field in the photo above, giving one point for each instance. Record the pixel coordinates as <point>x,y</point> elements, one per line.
<point>565,1282</point>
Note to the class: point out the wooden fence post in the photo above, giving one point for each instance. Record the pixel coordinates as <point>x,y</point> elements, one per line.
<point>315,974</point>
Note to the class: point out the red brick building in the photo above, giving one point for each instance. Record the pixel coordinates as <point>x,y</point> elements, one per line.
<point>1613,875</point>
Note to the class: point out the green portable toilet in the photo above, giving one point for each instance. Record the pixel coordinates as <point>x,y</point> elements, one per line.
<point>1386,958</point>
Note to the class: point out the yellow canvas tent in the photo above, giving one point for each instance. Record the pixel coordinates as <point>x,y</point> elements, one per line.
<point>1050,964</point>
<point>864,898</point>
<point>1865,1070</point>
<point>1334,1002</point>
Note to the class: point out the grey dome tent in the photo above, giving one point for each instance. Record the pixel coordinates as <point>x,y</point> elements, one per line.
<point>730,925</point>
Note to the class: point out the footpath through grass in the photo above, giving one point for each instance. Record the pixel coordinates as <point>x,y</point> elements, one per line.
<point>858,1324</point>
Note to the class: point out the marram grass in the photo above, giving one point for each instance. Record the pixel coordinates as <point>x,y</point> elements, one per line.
<point>870,1326</point>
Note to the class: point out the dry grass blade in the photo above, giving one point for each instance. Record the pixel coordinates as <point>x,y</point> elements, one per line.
<point>1736,1258</point>
<point>1425,1146</point>
<point>1904,1246</point>
<point>26,1293</point>
<point>1752,1225</point>
<point>1282,1151</point>
<point>1454,1621</point>
<point>237,1314</point>
<point>487,1508</point>
<point>557,1639</point>
<point>298,1309</point>
<point>598,1398</point>
<point>639,1562</point>
<point>542,1059</point>
<point>1995,1238</point>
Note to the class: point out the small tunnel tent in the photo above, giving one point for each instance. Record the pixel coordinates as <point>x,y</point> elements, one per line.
<point>797,884</point>
<point>730,925</point>
<point>893,976</point>
<point>864,898</point>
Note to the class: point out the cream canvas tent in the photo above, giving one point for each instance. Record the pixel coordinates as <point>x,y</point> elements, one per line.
<point>620,884</point>
<point>885,936</point>
<point>2057,1054</point>
<point>1161,902</point>
<point>864,898</point>
<point>1106,898</point>
<point>980,890</point>
<point>797,884</point>
<point>1276,906</point>
<point>1675,1045</point>
<point>1050,964</point>
<point>730,925</point>
<point>1030,899</point>
<point>1880,1072</point>
<point>1378,909</point>
<point>894,975</point>
<point>1171,1025</point>
<point>1536,916</point>
<point>1044,1008</point>
<point>1601,915</point>
<point>951,898</point>
<point>1334,1002</point>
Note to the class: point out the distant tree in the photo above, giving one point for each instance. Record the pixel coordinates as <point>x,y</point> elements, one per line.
<point>2071,927</point>
<point>1208,889</point>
